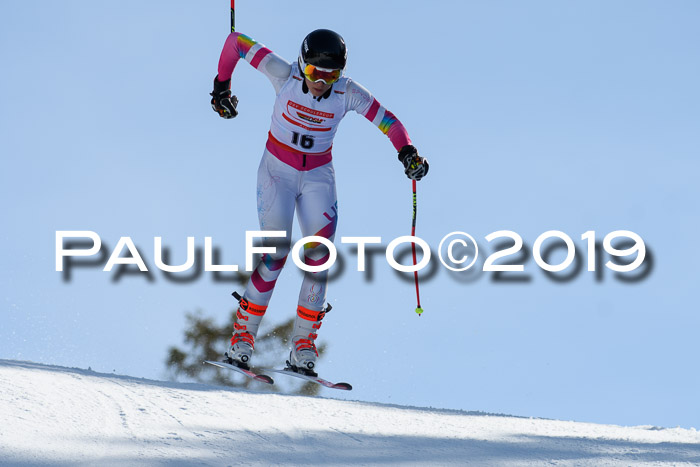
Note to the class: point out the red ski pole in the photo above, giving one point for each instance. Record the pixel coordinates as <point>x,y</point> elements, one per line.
<point>419,310</point>
<point>233,15</point>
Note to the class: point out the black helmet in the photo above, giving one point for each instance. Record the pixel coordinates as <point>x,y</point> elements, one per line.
<point>325,49</point>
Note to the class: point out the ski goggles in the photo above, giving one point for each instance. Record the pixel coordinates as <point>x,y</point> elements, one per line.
<point>327,75</point>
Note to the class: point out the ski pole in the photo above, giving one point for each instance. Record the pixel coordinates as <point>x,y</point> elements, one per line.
<point>234,99</point>
<point>419,310</point>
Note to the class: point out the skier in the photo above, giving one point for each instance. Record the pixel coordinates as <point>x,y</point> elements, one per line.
<point>296,172</point>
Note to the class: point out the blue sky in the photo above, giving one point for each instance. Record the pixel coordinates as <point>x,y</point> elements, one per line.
<point>535,116</point>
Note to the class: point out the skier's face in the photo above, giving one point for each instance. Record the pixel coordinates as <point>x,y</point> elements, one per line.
<point>318,88</point>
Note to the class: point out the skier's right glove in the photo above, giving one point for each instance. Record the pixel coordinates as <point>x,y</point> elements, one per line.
<point>221,100</point>
<point>415,166</point>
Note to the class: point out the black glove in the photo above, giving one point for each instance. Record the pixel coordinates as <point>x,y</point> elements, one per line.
<point>416,167</point>
<point>221,100</point>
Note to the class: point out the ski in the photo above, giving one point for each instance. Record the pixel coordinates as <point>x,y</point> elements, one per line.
<point>313,379</point>
<point>243,371</point>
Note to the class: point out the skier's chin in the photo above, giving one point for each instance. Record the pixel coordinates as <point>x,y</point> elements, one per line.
<point>317,89</point>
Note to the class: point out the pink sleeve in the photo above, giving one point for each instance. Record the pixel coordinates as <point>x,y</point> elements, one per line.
<point>238,46</point>
<point>361,101</point>
<point>388,124</point>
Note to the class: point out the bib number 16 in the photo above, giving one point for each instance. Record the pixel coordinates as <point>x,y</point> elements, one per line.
<point>305,141</point>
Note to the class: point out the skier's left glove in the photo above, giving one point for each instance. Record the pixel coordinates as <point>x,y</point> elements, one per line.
<point>222,101</point>
<point>415,166</point>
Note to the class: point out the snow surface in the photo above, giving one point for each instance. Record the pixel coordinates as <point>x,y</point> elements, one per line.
<point>66,416</point>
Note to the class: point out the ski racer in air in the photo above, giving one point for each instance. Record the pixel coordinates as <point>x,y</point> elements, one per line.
<point>296,173</point>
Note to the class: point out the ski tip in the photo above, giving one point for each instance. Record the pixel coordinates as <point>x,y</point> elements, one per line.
<point>256,376</point>
<point>344,386</point>
<point>265,379</point>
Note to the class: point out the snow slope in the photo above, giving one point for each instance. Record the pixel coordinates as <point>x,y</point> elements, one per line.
<point>66,416</point>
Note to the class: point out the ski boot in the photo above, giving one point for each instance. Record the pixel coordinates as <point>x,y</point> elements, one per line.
<point>245,329</point>
<point>302,357</point>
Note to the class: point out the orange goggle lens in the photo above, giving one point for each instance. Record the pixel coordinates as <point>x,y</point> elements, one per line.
<point>314,73</point>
